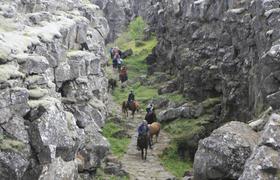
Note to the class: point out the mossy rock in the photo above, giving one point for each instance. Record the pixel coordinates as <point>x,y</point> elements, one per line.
<point>37,93</point>
<point>9,144</point>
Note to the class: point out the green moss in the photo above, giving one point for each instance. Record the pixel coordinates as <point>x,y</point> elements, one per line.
<point>8,144</point>
<point>172,162</point>
<point>118,145</point>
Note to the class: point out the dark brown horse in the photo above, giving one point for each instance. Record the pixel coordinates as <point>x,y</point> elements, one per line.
<point>133,106</point>
<point>143,143</point>
<point>112,84</point>
<point>151,117</point>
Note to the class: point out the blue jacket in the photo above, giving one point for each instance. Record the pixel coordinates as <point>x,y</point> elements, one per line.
<point>143,129</point>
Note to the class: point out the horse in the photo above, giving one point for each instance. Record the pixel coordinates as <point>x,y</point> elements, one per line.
<point>133,106</point>
<point>154,129</point>
<point>151,117</point>
<point>112,84</point>
<point>143,143</point>
<point>123,75</point>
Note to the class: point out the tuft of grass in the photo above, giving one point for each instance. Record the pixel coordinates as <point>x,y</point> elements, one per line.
<point>174,97</point>
<point>118,145</point>
<point>172,162</point>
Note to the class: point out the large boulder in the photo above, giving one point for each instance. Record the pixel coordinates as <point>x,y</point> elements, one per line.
<point>169,114</point>
<point>263,164</point>
<point>223,154</point>
<point>94,150</point>
<point>60,169</point>
<point>53,134</point>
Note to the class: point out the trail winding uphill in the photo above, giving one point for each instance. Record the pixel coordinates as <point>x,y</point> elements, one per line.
<point>145,169</point>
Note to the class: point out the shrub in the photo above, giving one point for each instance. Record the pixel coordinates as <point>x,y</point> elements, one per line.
<point>136,28</point>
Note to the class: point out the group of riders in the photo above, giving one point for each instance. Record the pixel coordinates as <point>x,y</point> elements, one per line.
<point>143,128</point>
<point>118,63</point>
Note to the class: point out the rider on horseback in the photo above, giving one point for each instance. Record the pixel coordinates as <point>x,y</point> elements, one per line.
<point>131,98</point>
<point>149,108</point>
<point>143,130</point>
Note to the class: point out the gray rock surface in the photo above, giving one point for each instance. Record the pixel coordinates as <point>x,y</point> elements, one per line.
<point>264,163</point>
<point>223,154</point>
<point>47,85</point>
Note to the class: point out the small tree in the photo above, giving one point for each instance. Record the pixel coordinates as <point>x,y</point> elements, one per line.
<point>136,28</point>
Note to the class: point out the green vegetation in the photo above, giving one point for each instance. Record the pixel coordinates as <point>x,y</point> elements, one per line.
<point>143,93</point>
<point>136,28</point>
<point>118,145</point>
<point>172,162</point>
<point>185,135</point>
<point>8,144</point>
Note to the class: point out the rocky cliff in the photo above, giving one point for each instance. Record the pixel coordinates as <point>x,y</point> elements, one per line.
<point>219,48</point>
<point>53,94</point>
<point>227,49</point>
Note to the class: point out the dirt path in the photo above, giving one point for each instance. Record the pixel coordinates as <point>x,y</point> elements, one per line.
<point>138,169</point>
<point>149,169</point>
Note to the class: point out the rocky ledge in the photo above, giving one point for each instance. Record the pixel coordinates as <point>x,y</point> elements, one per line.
<point>52,94</point>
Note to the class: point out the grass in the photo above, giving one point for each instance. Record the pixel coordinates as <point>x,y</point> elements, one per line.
<point>172,162</point>
<point>142,93</point>
<point>118,145</point>
<point>136,67</point>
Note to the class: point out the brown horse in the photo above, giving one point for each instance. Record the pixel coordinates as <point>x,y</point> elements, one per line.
<point>151,117</point>
<point>123,75</point>
<point>154,129</point>
<point>133,106</point>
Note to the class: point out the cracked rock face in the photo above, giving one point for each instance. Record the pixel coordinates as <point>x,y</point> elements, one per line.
<point>48,85</point>
<point>223,154</point>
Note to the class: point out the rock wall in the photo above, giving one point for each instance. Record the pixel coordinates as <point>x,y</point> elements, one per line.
<point>220,48</point>
<point>120,12</point>
<point>53,95</point>
<point>227,49</point>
